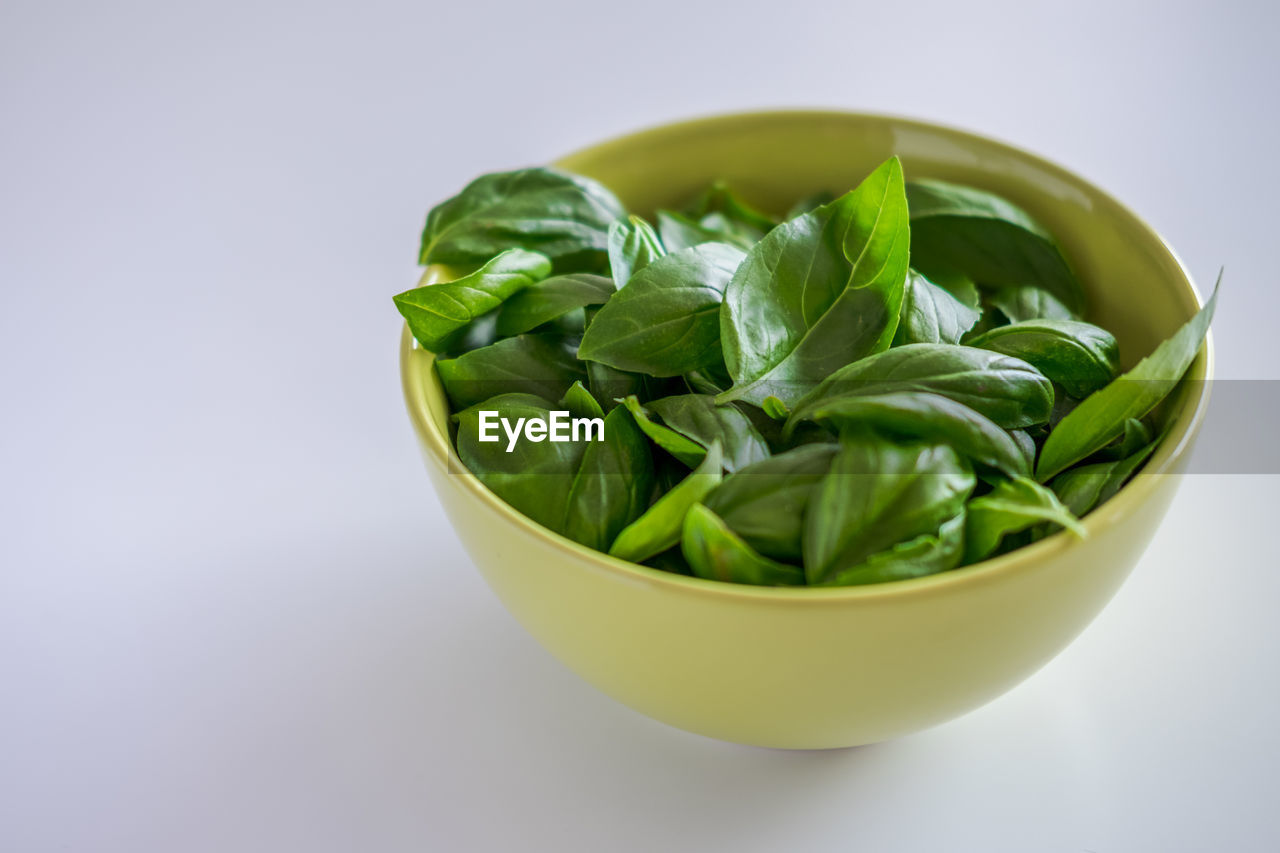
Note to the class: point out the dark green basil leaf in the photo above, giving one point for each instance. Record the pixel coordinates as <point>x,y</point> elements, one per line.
<point>665,322</point>
<point>1080,357</point>
<point>697,417</point>
<point>534,477</point>
<point>931,417</point>
<point>632,245</point>
<point>1006,390</point>
<point>1102,416</point>
<point>1020,303</point>
<point>531,364</point>
<point>670,560</point>
<point>660,526</point>
<point>612,485</point>
<point>551,299</point>
<point>565,217</point>
<point>926,554</point>
<point>685,449</point>
<point>764,503</point>
<point>715,552</point>
<point>1013,505</point>
<point>878,494</point>
<point>958,228</point>
<point>818,292</point>
<point>436,312</point>
<point>1027,445</point>
<point>931,314</point>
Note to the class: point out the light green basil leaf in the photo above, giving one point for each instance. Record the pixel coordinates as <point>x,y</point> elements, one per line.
<point>992,241</point>
<point>1086,487</point>
<point>1006,390</point>
<point>660,526</point>
<point>665,322</point>
<point>681,447</point>
<point>531,364</point>
<point>926,554</point>
<point>721,209</point>
<point>764,503</point>
<point>930,314</point>
<point>1013,505</point>
<point>931,417</point>
<point>818,292</point>
<point>612,485</point>
<point>1102,416</point>
<point>551,299</point>
<point>715,552</point>
<point>680,232</point>
<point>878,494</point>
<point>435,313</point>
<point>632,245</point>
<point>565,217</point>
<point>579,402</point>
<point>1081,357</point>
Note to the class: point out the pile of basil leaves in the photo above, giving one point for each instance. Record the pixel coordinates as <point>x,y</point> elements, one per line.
<point>884,385</point>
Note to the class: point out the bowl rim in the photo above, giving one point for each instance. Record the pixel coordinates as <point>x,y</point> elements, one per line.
<point>1166,459</point>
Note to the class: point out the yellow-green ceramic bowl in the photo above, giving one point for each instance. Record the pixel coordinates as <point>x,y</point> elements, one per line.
<point>816,668</point>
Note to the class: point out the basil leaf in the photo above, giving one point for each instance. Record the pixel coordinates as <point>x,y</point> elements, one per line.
<point>685,449</point>
<point>612,485</point>
<point>535,478</point>
<point>697,417</point>
<point>818,292</point>
<point>927,554</point>
<point>665,322</point>
<point>1080,357</point>
<point>1085,487</point>
<point>878,494</point>
<point>565,217</point>
<point>680,232</point>
<point>715,552</point>
<point>549,300</point>
<point>532,364</point>
<point>436,312</point>
<point>764,503</point>
<point>1026,444</point>
<point>1020,303</point>
<point>1007,390</point>
<point>931,417</point>
<point>633,244</point>
<point>660,526</point>
<point>931,314</point>
<point>579,402</point>
<point>959,228</point>
<point>1102,416</point>
<point>722,209</point>
<point>1013,505</point>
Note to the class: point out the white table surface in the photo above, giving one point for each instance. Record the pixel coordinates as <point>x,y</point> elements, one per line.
<point>232,614</point>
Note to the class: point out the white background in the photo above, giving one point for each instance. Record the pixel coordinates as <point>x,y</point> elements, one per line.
<point>232,615</point>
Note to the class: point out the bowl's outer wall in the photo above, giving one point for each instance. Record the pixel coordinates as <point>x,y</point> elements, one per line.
<point>829,670</point>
